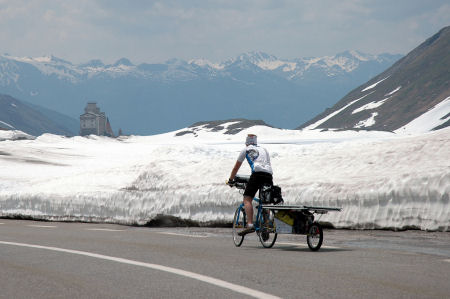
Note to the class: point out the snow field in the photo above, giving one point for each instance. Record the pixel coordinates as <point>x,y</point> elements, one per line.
<point>13,134</point>
<point>381,180</point>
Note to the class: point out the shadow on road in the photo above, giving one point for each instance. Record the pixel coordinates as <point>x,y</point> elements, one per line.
<point>284,247</point>
<point>306,249</point>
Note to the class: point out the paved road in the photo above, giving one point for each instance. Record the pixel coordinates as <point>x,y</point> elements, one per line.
<point>79,260</point>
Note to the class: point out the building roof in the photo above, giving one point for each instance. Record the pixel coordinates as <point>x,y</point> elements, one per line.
<point>89,114</point>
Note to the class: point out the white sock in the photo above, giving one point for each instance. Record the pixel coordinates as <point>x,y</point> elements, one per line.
<point>250,225</point>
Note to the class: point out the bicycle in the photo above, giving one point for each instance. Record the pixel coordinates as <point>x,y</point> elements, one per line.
<point>264,223</point>
<point>273,219</point>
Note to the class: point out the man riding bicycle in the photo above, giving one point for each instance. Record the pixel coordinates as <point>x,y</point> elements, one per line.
<point>259,161</point>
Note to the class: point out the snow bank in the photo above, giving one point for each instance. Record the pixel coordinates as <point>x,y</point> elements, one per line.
<point>379,179</point>
<point>14,135</point>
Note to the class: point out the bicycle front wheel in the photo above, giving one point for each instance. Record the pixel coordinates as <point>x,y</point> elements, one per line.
<point>268,232</point>
<point>239,223</point>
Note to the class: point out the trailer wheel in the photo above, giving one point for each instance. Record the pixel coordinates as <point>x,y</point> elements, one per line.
<point>314,237</point>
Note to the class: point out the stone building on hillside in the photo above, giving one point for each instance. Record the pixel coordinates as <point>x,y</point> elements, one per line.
<point>95,122</point>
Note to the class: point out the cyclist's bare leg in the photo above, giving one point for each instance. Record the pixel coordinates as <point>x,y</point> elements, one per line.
<point>248,209</point>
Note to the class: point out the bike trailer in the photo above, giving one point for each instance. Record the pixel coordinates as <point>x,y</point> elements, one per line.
<point>295,219</point>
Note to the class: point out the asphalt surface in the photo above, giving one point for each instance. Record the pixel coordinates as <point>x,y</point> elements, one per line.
<point>80,260</point>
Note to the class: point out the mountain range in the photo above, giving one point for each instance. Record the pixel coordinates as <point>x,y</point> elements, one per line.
<point>413,94</point>
<point>155,98</point>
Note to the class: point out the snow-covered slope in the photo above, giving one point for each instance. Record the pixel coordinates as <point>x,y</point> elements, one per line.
<point>410,96</point>
<point>379,179</point>
<point>433,118</point>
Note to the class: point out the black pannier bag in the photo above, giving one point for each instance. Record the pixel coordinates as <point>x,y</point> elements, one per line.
<point>265,194</point>
<point>270,194</point>
<point>276,195</point>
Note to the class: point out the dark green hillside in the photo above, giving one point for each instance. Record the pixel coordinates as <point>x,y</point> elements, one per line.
<point>29,119</point>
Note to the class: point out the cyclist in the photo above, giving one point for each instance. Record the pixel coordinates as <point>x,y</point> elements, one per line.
<point>259,161</point>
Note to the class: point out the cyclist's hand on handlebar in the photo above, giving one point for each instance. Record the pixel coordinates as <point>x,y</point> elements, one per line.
<point>230,183</point>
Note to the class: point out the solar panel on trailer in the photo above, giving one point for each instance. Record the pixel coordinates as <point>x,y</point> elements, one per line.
<point>300,208</point>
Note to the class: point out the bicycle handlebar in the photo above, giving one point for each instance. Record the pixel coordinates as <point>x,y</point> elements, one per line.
<point>238,185</point>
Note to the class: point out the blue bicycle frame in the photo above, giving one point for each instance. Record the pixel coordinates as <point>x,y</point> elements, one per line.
<point>256,225</point>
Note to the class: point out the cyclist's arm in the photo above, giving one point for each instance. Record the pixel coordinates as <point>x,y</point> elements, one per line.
<point>235,170</point>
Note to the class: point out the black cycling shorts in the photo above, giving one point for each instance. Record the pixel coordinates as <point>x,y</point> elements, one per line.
<point>257,179</point>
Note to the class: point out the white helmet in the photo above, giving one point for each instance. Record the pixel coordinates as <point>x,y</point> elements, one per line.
<point>251,139</point>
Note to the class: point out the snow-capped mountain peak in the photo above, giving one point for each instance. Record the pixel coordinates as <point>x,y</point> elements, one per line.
<point>47,59</point>
<point>346,61</point>
<point>201,62</point>
<point>47,65</point>
<point>123,61</point>
<point>261,60</point>
<point>270,62</point>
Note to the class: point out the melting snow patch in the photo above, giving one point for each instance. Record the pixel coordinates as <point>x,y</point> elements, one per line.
<point>319,122</point>
<point>368,122</point>
<point>230,124</point>
<point>370,106</point>
<point>394,91</point>
<point>373,85</point>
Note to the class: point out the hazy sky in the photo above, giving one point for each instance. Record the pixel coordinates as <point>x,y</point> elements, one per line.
<point>155,31</point>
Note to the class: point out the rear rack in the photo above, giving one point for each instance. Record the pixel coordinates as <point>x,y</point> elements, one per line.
<point>317,210</point>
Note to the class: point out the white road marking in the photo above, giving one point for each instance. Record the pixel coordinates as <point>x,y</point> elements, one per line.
<point>182,235</point>
<point>304,245</point>
<point>42,226</point>
<point>106,229</point>
<point>448,261</point>
<point>203,278</point>
<point>1,223</point>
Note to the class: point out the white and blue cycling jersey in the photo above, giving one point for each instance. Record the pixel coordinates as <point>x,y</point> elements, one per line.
<point>257,157</point>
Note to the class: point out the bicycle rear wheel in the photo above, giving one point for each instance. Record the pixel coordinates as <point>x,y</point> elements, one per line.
<point>239,223</point>
<point>267,233</point>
